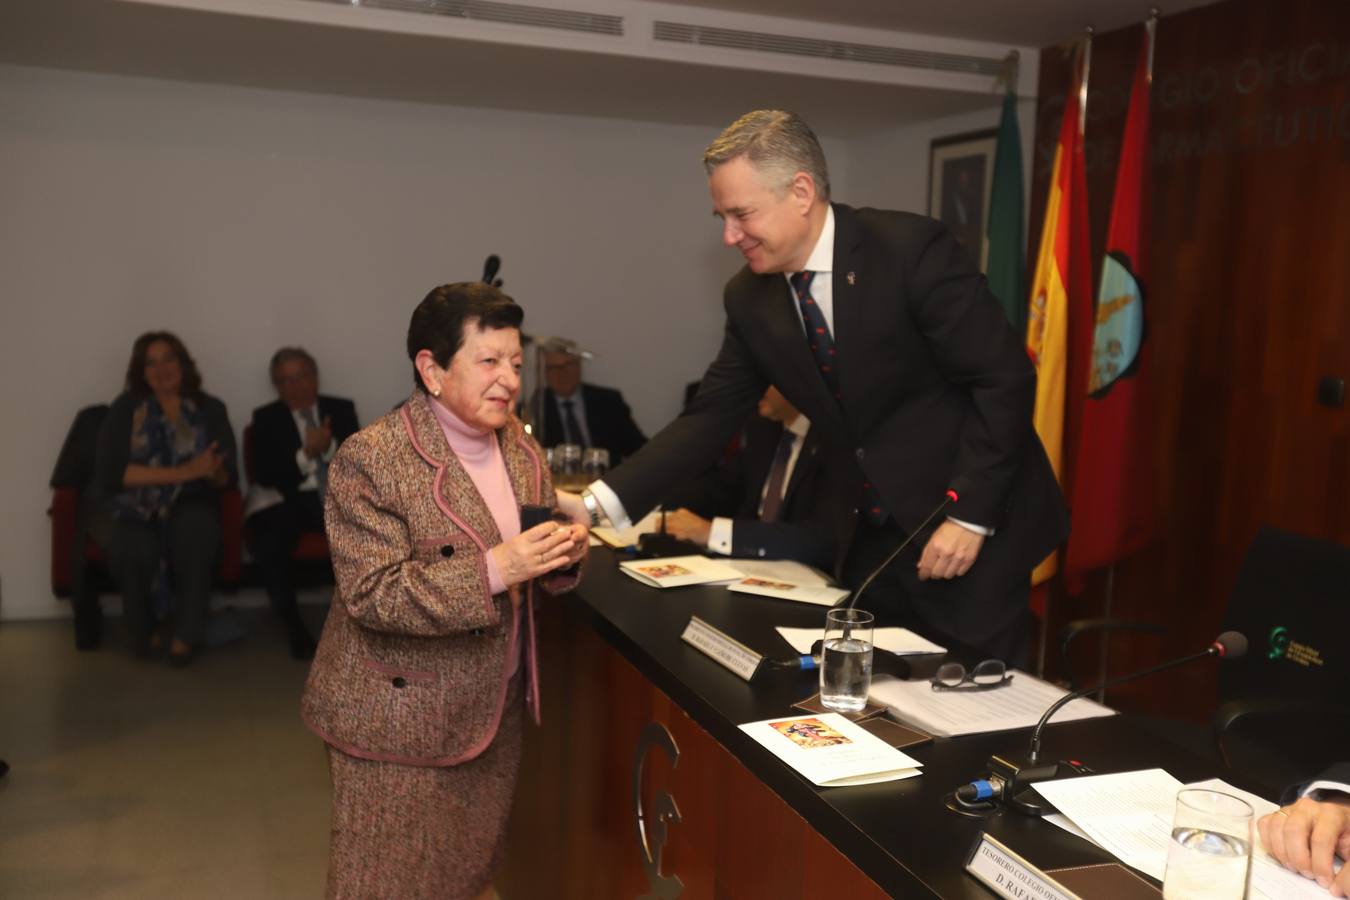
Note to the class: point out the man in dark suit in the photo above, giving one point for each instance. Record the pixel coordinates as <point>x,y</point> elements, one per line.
<point>585,414</point>
<point>880,329</point>
<point>777,500</point>
<point>294,438</point>
<point>1313,828</point>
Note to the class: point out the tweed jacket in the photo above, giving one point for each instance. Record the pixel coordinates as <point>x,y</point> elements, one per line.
<point>415,657</point>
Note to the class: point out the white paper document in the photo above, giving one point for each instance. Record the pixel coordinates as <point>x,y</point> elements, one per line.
<point>831,751</point>
<point>1019,704</point>
<point>896,640</point>
<point>628,537</point>
<point>782,570</point>
<point>678,571</point>
<point>1130,816</point>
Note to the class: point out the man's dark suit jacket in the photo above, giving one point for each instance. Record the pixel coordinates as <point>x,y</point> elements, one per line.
<point>276,440</point>
<point>811,518</point>
<point>936,390</point>
<point>608,419</point>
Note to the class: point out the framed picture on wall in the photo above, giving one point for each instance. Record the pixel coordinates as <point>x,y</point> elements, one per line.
<point>960,178</point>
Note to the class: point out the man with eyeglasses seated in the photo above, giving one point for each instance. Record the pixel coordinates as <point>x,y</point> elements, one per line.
<point>584,414</point>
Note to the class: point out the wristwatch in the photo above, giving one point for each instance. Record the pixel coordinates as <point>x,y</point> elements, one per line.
<point>592,507</point>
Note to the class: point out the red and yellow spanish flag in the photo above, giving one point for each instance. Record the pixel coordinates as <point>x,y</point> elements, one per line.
<point>1112,506</point>
<point>1059,316</point>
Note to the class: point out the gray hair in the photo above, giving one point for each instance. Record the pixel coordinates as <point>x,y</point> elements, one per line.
<point>779,144</point>
<point>288,354</point>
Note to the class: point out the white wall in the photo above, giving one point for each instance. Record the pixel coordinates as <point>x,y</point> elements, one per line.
<point>244,219</point>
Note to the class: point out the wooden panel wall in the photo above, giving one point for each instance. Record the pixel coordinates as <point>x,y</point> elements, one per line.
<point>1248,299</point>
<point>573,829</point>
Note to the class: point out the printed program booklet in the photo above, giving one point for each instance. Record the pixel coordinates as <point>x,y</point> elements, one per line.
<point>819,594</point>
<point>678,571</point>
<point>829,750</point>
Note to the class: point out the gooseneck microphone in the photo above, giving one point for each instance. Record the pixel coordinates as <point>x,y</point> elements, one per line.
<point>953,495</point>
<point>1229,645</point>
<point>491,267</point>
<point>1008,776</point>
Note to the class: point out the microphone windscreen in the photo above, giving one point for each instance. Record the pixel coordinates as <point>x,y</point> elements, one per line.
<point>491,267</point>
<point>959,485</point>
<point>1232,644</point>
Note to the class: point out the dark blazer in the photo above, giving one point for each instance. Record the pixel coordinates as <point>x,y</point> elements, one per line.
<point>1339,773</point>
<point>608,419</point>
<point>114,448</point>
<point>276,440</point>
<point>935,389</point>
<point>812,516</point>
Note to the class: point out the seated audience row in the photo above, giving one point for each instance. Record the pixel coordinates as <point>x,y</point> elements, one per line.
<point>164,454</point>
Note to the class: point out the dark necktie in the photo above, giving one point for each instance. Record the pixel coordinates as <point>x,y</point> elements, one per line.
<point>571,425</point>
<point>821,342</point>
<point>773,494</point>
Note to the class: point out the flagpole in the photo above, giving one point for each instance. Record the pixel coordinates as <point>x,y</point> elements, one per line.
<point>1083,84</point>
<point>1151,28</point>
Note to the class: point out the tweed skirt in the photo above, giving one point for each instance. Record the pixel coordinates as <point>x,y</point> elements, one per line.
<point>407,832</point>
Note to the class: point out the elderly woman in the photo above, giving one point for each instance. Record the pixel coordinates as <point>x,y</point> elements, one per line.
<point>165,451</point>
<point>427,659</point>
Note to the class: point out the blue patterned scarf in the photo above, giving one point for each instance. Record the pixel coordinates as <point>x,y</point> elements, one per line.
<point>155,441</point>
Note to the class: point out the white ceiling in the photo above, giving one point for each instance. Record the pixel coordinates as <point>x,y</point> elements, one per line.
<point>191,45</point>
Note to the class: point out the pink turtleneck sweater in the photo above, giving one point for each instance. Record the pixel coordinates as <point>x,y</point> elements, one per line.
<point>481,456</point>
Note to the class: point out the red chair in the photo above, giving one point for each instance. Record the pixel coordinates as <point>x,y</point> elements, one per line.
<point>64,514</point>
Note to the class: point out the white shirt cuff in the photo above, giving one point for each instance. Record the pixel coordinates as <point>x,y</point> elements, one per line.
<point>610,505</point>
<point>306,465</point>
<point>978,529</point>
<point>719,536</point>
<point>1313,789</point>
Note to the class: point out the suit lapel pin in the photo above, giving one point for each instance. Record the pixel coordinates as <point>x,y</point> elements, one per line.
<point>852,278</point>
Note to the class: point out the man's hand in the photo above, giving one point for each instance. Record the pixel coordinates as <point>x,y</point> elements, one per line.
<point>688,526</point>
<point>950,552</point>
<point>573,507</point>
<point>317,440</point>
<point>1306,836</point>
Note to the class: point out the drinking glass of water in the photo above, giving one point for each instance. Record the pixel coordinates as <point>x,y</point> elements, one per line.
<point>1210,854</point>
<point>846,660</point>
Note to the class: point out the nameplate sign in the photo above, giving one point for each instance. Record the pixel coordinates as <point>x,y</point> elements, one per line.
<point>726,650</point>
<point>1009,875</point>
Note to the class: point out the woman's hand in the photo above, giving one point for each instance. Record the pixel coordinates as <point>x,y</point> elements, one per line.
<point>581,544</point>
<point>210,464</point>
<point>544,548</point>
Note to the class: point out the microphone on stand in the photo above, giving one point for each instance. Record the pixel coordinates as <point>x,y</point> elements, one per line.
<point>1009,775</point>
<point>953,495</point>
<point>491,267</point>
<point>883,661</point>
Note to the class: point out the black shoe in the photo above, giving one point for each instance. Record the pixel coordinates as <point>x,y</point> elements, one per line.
<point>182,660</point>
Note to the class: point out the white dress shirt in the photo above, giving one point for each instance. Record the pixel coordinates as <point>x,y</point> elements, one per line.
<point>309,466</point>
<point>720,534</point>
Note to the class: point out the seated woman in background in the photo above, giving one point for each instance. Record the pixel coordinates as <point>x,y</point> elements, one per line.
<point>165,451</point>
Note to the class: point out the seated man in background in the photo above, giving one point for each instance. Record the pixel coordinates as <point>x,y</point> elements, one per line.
<point>585,414</point>
<point>775,501</point>
<point>1309,833</point>
<point>294,438</point>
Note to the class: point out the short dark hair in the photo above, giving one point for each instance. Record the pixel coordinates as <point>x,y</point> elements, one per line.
<point>136,383</point>
<point>439,321</point>
<point>285,355</point>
